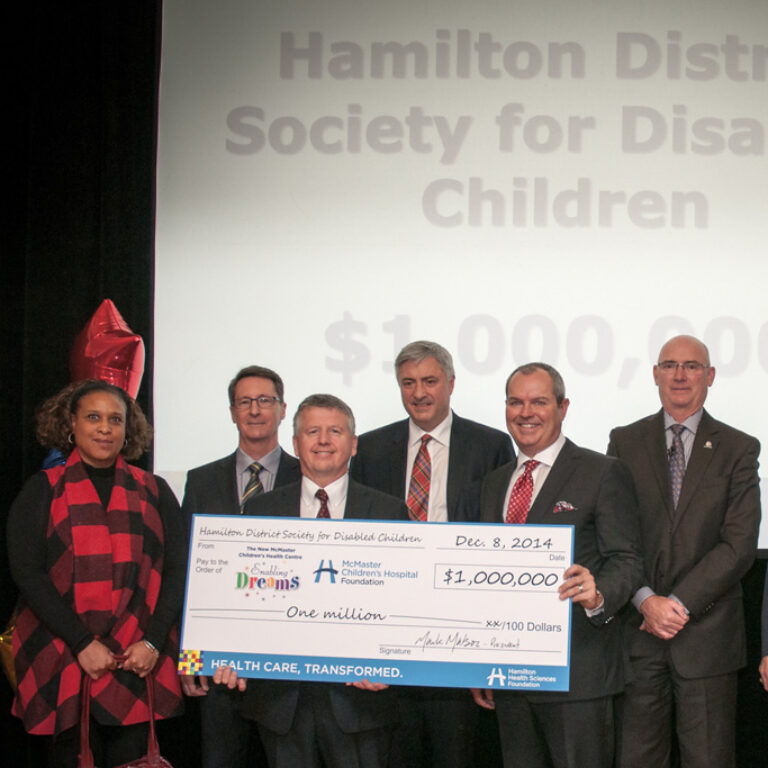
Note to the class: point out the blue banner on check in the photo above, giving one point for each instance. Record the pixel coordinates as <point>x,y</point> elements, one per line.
<point>438,604</point>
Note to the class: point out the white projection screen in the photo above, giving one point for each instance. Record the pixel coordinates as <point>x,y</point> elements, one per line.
<point>517,180</point>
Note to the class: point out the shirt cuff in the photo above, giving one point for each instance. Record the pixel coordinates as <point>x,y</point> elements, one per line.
<point>641,596</point>
<point>596,611</point>
<point>678,600</point>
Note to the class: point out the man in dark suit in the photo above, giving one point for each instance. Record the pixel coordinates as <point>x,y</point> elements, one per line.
<point>437,724</point>
<point>315,724</point>
<point>699,502</point>
<point>259,464</point>
<point>554,482</point>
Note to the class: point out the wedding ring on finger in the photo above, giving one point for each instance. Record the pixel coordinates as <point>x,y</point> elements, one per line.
<point>581,587</point>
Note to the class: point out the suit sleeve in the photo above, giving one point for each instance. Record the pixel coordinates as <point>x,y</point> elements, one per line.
<point>620,572</point>
<point>189,504</point>
<point>727,562</point>
<point>764,621</point>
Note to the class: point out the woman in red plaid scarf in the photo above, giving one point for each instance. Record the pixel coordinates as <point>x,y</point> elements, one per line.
<point>96,548</point>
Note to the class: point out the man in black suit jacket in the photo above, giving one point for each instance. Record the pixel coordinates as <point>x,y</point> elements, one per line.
<point>311,724</point>
<point>256,406</point>
<point>554,482</point>
<point>685,633</point>
<point>437,724</point>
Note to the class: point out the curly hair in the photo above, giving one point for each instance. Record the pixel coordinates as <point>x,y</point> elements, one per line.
<point>54,418</point>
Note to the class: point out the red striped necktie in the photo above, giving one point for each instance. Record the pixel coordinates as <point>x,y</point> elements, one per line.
<point>418,490</point>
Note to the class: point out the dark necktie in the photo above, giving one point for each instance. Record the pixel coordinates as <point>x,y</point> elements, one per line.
<point>323,496</point>
<point>676,462</point>
<point>418,490</point>
<point>520,498</point>
<point>254,486</point>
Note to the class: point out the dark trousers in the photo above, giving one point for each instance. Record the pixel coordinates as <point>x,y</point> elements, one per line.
<point>225,736</point>
<point>437,728</point>
<point>316,741</point>
<point>569,734</point>
<point>703,710</point>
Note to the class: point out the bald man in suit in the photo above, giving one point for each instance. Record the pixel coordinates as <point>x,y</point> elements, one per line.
<point>699,505</point>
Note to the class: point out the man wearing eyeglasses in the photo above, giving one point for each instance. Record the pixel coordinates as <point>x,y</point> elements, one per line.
<point>222,488</point>
<point>697,486</point>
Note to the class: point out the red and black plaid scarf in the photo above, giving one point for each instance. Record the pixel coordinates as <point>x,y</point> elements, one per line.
<point>107,565</point>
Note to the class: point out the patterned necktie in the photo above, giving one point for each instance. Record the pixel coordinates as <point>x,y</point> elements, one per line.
<point>323,496</point>
<point>254,486</point>
<point>520,498</point>
<point>676,462</point>
<point>418,490</point>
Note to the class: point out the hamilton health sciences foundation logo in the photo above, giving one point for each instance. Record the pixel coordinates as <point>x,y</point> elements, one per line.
<point>497,676</point>
<point>329,569</point>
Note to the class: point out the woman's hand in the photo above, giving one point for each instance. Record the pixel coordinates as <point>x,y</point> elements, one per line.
<point>96,659</point>
<point>140,658</point>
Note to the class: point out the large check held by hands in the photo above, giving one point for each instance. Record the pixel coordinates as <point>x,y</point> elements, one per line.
<point>436,604</point>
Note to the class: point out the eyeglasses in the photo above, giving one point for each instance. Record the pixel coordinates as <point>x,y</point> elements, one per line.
<point>690,366</point>
<point>263,401</point>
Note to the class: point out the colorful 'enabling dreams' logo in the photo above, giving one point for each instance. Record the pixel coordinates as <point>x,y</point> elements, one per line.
<point>271,578</point>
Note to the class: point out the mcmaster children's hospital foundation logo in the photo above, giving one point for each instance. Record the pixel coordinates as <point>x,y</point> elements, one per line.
<point>329,570</point>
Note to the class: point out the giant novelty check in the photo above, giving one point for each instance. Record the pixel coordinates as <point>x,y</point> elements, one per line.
<point>438,604</point>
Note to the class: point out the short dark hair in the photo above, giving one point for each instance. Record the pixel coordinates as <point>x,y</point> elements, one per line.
<point>417,351</point>
<point>558,385</point>
<point>324,401</point>
<point>54,418</point>
<point>259,372</point>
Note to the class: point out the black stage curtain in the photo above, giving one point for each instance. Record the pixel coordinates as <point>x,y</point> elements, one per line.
<point>78,227</point>
<point>78,223</point>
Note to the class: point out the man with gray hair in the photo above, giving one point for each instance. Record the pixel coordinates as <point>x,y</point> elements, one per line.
<point>433,459</point>
<point>699,500</point>
<point>301,724</point>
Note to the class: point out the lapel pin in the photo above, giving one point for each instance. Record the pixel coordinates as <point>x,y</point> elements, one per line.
<point>708,445</point>
<point>563,506</point>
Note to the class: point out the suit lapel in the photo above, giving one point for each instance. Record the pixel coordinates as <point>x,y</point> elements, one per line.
<point>358,506</point>
<point>227,482</point>
<point>656,446</point>
<point>287,472</point>
<point>704,446</point>
<point>398,458</point>
<point>457,456</point>
<point>287,500</point>
<point>352,508</point>
<point>565,465</point>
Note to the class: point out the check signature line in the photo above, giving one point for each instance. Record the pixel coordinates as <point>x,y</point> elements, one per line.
<point>464,650</point>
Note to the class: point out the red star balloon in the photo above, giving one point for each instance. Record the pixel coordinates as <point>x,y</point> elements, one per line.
<point>109,350</point>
